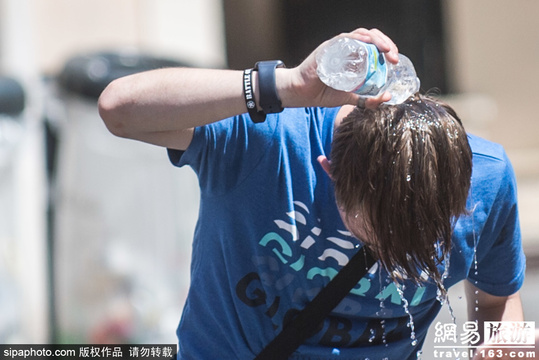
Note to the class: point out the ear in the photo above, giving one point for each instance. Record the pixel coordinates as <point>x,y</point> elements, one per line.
<point>325,163</point>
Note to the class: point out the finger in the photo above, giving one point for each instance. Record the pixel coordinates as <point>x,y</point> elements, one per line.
<point>380,40</point>
<point>372,37</point>
<point>375,102</point>
<point>389,47</point>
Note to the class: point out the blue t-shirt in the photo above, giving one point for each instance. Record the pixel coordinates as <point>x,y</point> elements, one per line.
<point>269,237</point>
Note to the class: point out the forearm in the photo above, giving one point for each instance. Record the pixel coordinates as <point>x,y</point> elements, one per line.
<point>485,307</point>
<point>163,106</point>
<point>176,99</point>
<point>170,99</point>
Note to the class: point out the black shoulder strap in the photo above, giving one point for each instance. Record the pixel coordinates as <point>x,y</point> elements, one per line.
<point>304,325</point>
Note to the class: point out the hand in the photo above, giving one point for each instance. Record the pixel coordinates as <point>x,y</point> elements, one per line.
<point>310,91</point>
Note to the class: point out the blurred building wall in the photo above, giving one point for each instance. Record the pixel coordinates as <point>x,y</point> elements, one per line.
<point>494,49</point>
<point>37,37</point>
<point>23,194</point>
<point>493,52</point>
<point>188,30</point>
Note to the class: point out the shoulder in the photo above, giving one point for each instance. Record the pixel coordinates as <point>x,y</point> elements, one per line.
<point>486,149</point>
<point>493,186</point>
<point>489,160</point>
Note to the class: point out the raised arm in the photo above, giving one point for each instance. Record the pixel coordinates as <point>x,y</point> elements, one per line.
<point>162,107</point>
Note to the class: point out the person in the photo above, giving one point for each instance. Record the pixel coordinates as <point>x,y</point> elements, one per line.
<point>286,202</point>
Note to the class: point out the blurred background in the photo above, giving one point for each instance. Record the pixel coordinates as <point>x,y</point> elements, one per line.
<point>95,231</point>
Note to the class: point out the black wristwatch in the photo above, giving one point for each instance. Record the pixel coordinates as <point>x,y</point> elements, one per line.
<point>269,99</point>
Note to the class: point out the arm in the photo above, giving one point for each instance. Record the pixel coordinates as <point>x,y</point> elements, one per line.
<point>163,106</point>
<point>491,308</point>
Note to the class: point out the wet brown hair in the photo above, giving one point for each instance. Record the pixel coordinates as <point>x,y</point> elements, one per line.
<point>402,173</point>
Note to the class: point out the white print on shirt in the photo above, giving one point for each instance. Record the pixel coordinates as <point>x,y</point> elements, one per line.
<point>289,243</point>
<point>284,252</point>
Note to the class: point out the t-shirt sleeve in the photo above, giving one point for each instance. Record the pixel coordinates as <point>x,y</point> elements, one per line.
<point>225,153</point>
<point>501,262</point>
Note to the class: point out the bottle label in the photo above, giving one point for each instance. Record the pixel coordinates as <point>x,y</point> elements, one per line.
<point>376,73</point>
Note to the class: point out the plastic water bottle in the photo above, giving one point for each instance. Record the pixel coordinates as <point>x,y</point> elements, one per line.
<point>351,65</point>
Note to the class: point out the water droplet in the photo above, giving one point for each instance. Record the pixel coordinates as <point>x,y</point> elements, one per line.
<point>336,352</point>
<point>474,240</point>
<point>451,312</point>
<point>476,308</point>
<point>371,338</point>
<point>407,311</point>
<point>383,325</point>
<point>440,297</point>
<point>414,342</point>
<point>445,275</point>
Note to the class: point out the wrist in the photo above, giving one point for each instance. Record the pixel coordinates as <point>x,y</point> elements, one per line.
<point>287,88</point>
<point>251,97</point>
<point>270,102</point>
<point>260,90</point>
